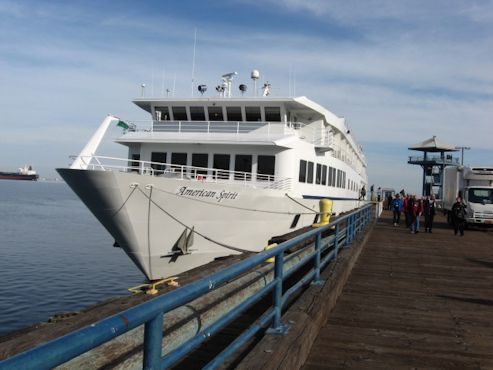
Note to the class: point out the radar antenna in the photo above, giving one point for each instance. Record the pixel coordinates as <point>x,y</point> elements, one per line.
<point>255,76</point>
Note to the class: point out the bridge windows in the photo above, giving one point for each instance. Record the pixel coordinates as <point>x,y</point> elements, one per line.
<point>234,114</point>
<point>197,114</point>
<point>179,113</point>
<point>272,114</point>
<point>253,114</point>
<point>162,114</point>
<point>215,113</point>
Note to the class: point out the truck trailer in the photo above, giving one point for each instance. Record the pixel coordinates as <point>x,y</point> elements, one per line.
<point>475,187</point>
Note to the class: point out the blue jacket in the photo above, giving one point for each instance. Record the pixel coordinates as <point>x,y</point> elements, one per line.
<point>397,202</point>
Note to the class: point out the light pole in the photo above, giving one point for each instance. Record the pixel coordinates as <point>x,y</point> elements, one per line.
<point>462,148</point>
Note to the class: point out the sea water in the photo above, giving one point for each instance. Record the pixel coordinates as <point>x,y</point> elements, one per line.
<point>55,257</point>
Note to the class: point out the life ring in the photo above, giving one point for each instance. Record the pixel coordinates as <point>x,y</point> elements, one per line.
<point>200,178</point>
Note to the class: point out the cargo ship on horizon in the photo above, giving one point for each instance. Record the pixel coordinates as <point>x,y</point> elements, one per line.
<point>23,173</point>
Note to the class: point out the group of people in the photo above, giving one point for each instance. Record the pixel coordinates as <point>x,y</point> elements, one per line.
<point>413,207</point>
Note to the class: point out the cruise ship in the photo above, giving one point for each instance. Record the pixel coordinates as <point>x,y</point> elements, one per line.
<point>210,176</point>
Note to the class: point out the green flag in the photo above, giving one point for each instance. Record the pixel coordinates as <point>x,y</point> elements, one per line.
<point>123,125</point>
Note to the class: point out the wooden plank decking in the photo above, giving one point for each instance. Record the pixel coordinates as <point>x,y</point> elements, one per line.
<point>413,301</point>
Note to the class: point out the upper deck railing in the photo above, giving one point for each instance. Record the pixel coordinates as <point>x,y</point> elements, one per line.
<point>160,354</point>
<point>256,129</point>
<point>180,172</point>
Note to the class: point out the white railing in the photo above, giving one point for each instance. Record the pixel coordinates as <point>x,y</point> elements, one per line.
<point>180,172</point>
<point>218,127</point>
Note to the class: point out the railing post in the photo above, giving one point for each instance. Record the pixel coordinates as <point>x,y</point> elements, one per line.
<point>318,252</point>
<point>336,243</point>
<point>153,341</point>
<point>349,224</point>
<point>277,327</point>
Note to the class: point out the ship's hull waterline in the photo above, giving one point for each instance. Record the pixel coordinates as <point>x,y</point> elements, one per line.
<point>151,217</point>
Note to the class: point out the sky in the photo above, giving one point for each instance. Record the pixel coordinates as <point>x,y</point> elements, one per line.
<point>398,71</point>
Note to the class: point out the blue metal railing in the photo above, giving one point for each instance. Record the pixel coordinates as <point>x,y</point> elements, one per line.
<point>150,314</point>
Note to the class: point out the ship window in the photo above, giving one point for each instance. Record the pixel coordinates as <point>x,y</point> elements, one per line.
<point>197,114</point>
<point>158,157</point>
<point>134,163</point>
<point>234,114</point>
<point>215,113</point>
<point>324,175</point>
<point>178,160</point>
<point>243,163</point>
<point>309,175</point>
<point>338,179</point>
<point>331,176</point>
<point>253,114</point>
<point>179,113</point>
<point>265,167</point>
<point>162,114</point>
<point>343,185</point>
<point>200,160</point>
<point>221,162</point>
<point>302,177</point>
<point>318,176</point>
<point>272,114</point>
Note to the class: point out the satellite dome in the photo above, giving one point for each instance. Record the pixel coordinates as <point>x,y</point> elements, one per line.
<point>255,74</point>
<point>243,88</point>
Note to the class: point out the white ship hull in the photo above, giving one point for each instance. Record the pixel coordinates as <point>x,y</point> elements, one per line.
<point>147,215</point>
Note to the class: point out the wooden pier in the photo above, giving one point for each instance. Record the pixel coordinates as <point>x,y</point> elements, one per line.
<point>414,301</point>
<point>392,300</point>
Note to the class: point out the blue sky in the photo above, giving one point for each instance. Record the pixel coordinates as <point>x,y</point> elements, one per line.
<point>399,71</point>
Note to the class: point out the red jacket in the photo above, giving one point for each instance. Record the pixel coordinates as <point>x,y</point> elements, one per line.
<point>418,207</point>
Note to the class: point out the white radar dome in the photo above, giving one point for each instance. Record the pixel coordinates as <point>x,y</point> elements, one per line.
<point>255,74</point>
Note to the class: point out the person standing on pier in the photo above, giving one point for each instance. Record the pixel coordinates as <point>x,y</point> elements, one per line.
<point>429,212</point>
<point>409,209</point>
<point>417,212</point>
<point>459,216</point>
<point>396,209</point>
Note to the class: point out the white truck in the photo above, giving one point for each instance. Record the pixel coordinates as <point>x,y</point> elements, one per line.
<point>475,186</point>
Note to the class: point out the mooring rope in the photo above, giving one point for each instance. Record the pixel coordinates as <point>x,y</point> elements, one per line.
<point>192,229</point>
<point>125,202</point>
<point>301,204</point>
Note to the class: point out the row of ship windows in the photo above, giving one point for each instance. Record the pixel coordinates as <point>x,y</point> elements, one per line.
<point>217,113</point>
<point>324,175</point>
<point>222,162</point>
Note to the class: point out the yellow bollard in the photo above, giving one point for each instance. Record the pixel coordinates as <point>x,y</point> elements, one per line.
<point>325,212</point>
<point>270,246</point>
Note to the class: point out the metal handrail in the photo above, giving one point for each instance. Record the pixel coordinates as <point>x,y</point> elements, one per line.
<point>182,172</point>
<point>151,313</point>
